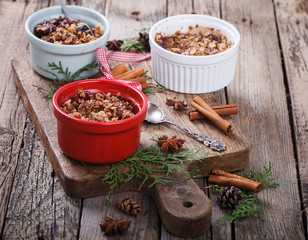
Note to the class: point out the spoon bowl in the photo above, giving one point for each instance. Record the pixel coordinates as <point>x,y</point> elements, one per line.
<point>156,115</point>
<point>69,16</point>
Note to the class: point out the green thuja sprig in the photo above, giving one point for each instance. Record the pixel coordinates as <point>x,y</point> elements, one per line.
<point>217,188</point>
<point>264,178</point>
<point>48,92</point>
<point>67,77</point>
<point>153,166</point>
<point>154,88</point>
<point>145,74</point>
<point>133,43</point>
<point>250,205</point>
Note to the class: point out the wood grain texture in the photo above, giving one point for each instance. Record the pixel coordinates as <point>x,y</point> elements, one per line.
<point>184,208</point>
<point>46,212</point>
<point>259,90</point>
<point>12,112</point>
<point>292,17</point>
<point>144,226</point>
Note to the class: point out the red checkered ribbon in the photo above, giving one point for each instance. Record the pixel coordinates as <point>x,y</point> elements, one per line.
<point>104,65</point>
<point>128,56</point>
<point>105,69</point>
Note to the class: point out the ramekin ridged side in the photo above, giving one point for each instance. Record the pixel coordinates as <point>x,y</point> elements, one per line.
<point>193,74</point>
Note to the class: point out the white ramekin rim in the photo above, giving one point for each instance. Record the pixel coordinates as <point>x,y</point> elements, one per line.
<point>194,60</point>
<point>65,49</point>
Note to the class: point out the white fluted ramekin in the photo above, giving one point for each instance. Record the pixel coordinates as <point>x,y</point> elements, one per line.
<point>193,74</point>
<point>72,57</point>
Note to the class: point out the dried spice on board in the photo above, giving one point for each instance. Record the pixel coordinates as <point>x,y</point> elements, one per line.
<point>170,145</point>
<point>135,44</point>
<point>113,227</point>
<point>177,104</point>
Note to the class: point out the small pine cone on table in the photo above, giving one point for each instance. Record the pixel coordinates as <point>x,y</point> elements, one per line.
<point>229,197</point>
<point>129,206</point>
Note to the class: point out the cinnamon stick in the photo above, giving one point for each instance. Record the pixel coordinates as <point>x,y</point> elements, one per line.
<point>230,175</point>
<point>119,69</point>
<point>228,179</point>
<point>144,85</point>
<point>225,106</point>
<point>203,104</point>
<point>209,113</point>
<point>140,80</point>
<point>223,110</point>
<point>130,74</point>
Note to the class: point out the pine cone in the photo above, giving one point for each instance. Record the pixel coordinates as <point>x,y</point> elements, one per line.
<point>129,206</point>
<point>229,197</point>
<point>144,40</point>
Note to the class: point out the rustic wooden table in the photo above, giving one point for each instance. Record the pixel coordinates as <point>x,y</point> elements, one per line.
<point>269,87</point>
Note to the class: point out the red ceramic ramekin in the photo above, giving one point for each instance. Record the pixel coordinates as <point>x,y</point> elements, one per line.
<point>96,142</point>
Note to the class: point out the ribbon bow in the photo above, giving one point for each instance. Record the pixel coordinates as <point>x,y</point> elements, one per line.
<point>105,68</point>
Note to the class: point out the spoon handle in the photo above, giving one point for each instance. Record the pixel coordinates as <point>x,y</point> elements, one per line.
<point>65,10</point>
<point>213,144</point>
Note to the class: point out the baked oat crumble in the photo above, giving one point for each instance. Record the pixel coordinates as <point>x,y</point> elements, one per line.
<point>99,107</point>
<point>65,31</point>
<point>198,41</point>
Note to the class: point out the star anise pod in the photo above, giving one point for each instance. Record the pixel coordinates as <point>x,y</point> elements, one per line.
<point>170,145</point>
<point>177,105</point>
<point>144,40</point>
<point>114,45</point>
<point>113,227</point>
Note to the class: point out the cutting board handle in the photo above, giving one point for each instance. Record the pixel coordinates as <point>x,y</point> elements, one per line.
<point>184,208</point>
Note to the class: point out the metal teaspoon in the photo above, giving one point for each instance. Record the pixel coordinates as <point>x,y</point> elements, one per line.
<point>156,115</point>
<point>69,16</point>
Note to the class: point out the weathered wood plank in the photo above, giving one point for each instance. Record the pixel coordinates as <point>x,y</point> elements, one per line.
<point>144,226</point>
<point>12,112</point>
<point>260,92</point>
<point>38,207</point>
<point>292,17</point>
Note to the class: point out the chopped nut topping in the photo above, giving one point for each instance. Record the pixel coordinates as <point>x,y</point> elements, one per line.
<point>65,31</point>
<point>99,107</point>
<point>198,41</point>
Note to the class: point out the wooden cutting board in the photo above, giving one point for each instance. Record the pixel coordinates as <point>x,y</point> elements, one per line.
<point>184,208</point>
